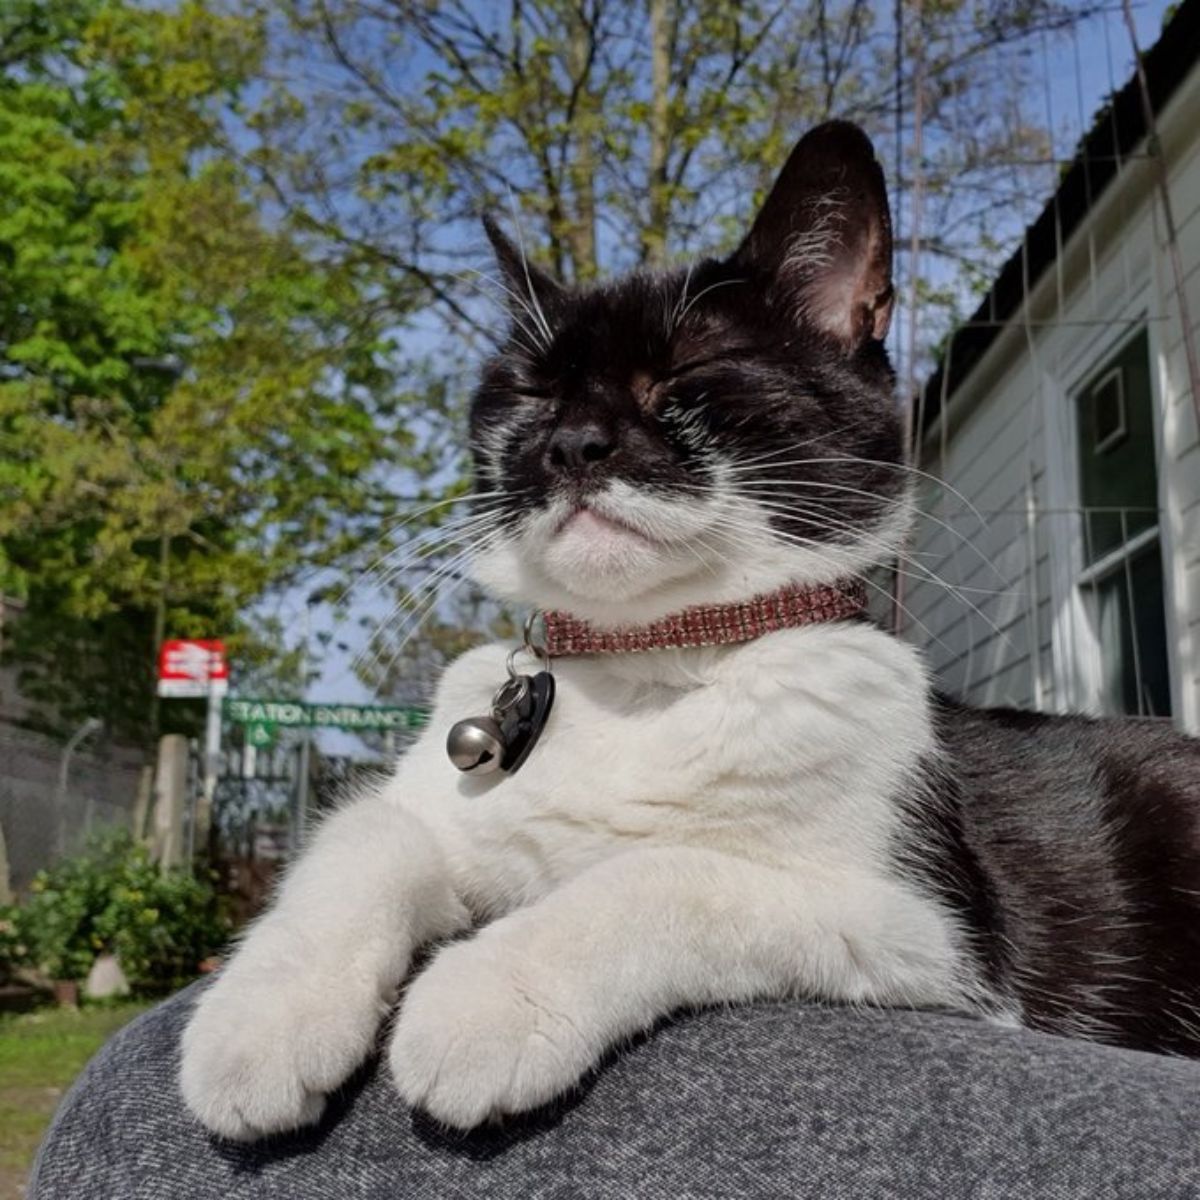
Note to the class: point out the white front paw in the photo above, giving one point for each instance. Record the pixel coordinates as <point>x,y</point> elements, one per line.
<point>481,1033</point>
<point>260,1058</point>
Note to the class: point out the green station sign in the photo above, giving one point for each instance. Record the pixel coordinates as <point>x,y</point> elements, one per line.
<point>263,717</point>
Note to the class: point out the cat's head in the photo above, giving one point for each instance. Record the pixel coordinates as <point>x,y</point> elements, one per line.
<point>702,434</point>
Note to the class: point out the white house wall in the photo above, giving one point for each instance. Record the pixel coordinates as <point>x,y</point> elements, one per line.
<point>1180,438</point>
<point>1009,449</point>
<point>978,636</point>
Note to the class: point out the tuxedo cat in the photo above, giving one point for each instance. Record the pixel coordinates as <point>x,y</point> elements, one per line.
<point>791,813</point>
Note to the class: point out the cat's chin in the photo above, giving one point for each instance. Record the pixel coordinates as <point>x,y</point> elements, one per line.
<point>592,555</point>
<point>597,571</point>
<point>620,585</point>
<point>603,569</point>
<point>605,558</point>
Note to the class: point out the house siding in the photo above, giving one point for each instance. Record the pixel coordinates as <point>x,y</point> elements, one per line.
<point>1181,437</point>
<point>1007,446</point>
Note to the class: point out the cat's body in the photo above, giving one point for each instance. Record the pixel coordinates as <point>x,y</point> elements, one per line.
<point>1086,835</point>
<point>797,815</point>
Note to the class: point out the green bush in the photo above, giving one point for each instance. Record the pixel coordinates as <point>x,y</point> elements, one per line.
<point>14,952</point>
<point>112,897</point>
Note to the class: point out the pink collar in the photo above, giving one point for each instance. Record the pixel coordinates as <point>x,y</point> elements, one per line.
<point>710,624</point>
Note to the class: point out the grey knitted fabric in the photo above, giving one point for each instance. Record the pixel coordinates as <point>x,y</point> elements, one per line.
<point>765,1100</point>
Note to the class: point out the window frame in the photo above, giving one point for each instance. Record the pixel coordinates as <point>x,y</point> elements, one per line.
<point>1078,652</point>
<point>1122,429</point>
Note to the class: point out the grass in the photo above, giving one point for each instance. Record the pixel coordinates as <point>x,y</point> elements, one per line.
<point>41,1052</point>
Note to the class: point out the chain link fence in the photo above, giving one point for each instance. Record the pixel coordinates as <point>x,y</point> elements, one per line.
<point>41,819</point>
<point>46,814</point>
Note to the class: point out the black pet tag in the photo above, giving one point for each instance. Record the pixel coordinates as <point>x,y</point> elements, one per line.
<point>522,724</point>
<point>520,708</point>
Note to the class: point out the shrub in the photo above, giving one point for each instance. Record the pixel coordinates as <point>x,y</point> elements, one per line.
<point>112,897</point>
<point>14,952</point>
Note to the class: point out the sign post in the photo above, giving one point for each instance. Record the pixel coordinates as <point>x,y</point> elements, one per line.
<point>300,816</point>
<point>195,668</point>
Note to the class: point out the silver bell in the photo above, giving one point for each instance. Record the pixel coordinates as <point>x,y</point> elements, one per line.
<point>476,745</point>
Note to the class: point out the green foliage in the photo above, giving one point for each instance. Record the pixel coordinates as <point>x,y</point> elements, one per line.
<point>197,405</point>
<point>238,243</point>
<point>111,897</point>
<point>14,952</point>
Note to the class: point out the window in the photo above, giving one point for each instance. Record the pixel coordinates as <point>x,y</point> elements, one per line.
<point>1107,402</point>
<point>1122,577</point>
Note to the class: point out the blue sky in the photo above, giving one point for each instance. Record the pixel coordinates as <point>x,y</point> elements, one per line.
<point>1076,72</point>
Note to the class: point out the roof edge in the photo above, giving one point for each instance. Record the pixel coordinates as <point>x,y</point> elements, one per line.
<point>1098,160</point>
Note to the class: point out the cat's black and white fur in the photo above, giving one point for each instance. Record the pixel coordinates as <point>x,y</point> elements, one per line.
<point>795,816</point>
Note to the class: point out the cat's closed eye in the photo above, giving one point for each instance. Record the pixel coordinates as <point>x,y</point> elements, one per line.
<point>647,388</point>
<point>699,364</point>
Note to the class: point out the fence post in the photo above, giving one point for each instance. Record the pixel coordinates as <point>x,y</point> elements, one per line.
<point>141,807</point>
<point>170,795</point>
<point>6,894</point>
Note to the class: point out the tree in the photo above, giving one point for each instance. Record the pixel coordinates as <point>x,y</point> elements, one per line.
<point>196,405</point>
<point>619,132</point>
<point>240,306</point>
<point>615,133</point>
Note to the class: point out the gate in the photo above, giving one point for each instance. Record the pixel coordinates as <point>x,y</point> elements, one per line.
<point>261,812</point>
<point>260,809</point>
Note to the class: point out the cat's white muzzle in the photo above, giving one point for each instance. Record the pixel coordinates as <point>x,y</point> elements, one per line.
<point>627,555</point>
<point>620,544</point>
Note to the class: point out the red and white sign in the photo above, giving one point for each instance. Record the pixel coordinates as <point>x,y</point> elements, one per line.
<point>192,668</point>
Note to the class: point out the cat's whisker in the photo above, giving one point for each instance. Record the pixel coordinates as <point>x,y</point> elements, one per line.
<point>434,593</point>
<point>536,336</point>
<point>420,602</point>
<point>860,536</point>
<point>823,515</point>
<point>400,522</point>
<point>673,319</point>
<point>712,287</point>
<point>533,299</point>
<point>424,553</point>
<point>441,531</point>
<point>855,533</point>
<point>739,530</point>
<point>469,528</point>
<point>788,484</point>
<point>855,459</point>
<point>405,602</point>
<point>721,557</point>
<point>738,460</point>
<point>425,544</point>
<point>468,535</point>
<point>406,518</point>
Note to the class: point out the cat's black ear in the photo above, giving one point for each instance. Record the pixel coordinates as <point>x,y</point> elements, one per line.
<point>520,276</point>
<point>824,235</point>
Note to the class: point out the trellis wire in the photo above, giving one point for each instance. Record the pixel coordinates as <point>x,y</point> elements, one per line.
<point>1042,523</point>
